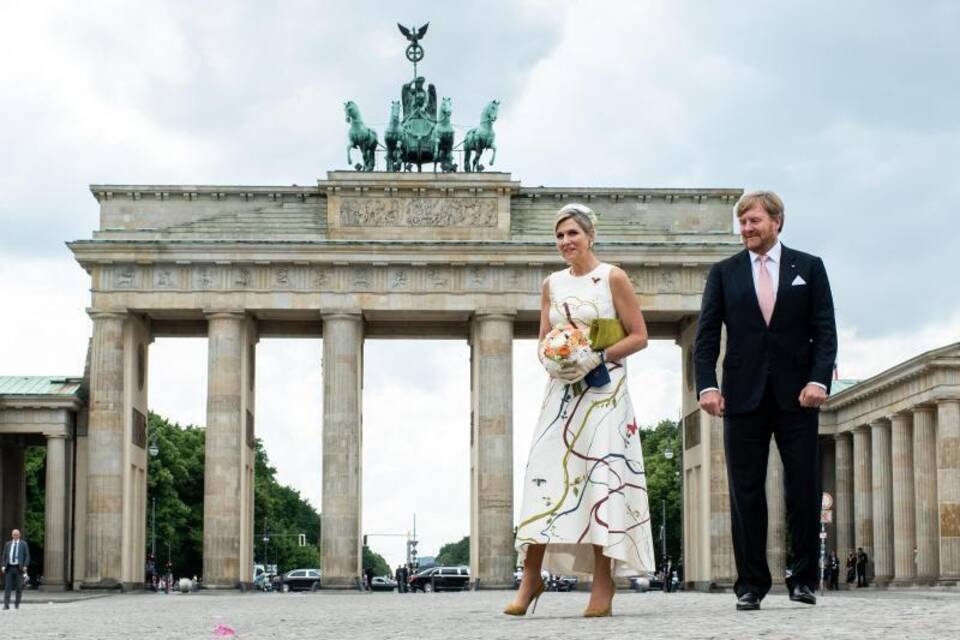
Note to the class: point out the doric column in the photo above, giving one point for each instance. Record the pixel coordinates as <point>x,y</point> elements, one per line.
<point>723,568</point>
<point>222,496</point>
<point>925,493</point>
<point>948,487</point>
<point>843,500</point>
<point>776,516</point>
<point>105,452</point>
<point>342,434</point>
<point>882,502</point>
<point>491,367</point>
<point>55,514</point>
<point>904,522</point>
<point>862,490</point>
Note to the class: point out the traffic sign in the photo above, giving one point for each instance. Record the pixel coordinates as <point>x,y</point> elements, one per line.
<point>827,503</point>
<point>823,535</point>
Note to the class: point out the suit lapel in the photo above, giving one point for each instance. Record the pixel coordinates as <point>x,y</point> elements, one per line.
<point>745,279</point>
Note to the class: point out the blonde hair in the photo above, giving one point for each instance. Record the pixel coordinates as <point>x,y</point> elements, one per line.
<point>583,215</point>
<point>770,202</point>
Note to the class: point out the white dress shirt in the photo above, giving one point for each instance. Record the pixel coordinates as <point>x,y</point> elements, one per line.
<point>13,552</point>
<point>773,268</point>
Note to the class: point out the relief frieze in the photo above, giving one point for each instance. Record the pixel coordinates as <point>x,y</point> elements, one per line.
<point>646,279</point>
<point>418,212</point>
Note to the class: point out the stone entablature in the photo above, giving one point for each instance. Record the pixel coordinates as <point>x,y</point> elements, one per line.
<point>921,381</point>
<point>387,206</point>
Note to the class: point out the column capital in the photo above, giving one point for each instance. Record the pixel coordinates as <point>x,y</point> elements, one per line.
<point>59,435</point>
<point>343,314</point>
<point>861,428</point>
<point>879,423</point>
<point>842,435</point>
<point>482,315</point>
<point>947,401</point>
<point>924,408</point>
<point>224,314</point>
<point>107,314</point>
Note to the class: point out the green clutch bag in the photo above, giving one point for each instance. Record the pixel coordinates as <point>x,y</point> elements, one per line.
<point>606,332</point>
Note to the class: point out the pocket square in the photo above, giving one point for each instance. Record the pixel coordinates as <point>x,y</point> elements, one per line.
<point>798,281</point>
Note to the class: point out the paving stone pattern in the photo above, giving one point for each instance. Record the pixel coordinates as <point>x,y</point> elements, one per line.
<point>908,613</point>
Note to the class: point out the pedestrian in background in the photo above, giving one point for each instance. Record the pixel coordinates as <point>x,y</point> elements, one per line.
<point>851,566</point>
<point>862,561</point>
<point>16,557</point>
<point>834,571</point>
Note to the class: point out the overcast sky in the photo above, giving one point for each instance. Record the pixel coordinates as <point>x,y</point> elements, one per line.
<point>849,110</point>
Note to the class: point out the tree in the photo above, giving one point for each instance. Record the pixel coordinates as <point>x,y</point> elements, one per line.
<point>373,559</point>
<point>455,553</point>
<point>35,474</point>
<point>175,479</point>
<point>664,485</point>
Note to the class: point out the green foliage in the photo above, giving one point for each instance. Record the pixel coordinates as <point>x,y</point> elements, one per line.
<point>455,553</point>
<point>175,479</point>
<point>284,515</point>
<point>664,484</point>
<point>373,559</point>
<point>35,472</point>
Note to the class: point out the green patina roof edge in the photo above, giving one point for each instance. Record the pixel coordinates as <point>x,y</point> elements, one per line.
<point>54,386</point>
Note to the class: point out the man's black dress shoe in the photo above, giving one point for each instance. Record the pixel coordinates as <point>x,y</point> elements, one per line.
<point>802,593</point>
<point>748,602</point>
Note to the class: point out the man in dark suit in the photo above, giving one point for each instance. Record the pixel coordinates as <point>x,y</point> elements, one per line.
<point>16,557</point>
<point>781,346</point>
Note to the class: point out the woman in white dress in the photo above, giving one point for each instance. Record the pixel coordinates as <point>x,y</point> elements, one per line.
<point>585,508</point>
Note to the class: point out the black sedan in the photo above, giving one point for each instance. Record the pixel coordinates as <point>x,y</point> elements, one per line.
<point>301,580</point>
<point>440,579</point>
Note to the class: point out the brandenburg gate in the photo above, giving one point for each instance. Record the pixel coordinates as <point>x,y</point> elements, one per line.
<point>358,255</point>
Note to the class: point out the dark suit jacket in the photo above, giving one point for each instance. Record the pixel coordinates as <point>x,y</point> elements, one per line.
<point>798,347</point>
<point>24,553</point>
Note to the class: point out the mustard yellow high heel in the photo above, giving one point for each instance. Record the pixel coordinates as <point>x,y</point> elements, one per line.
<point>607,611</point>
<point>517,610</point>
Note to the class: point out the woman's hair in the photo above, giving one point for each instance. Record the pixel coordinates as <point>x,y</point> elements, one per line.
<point>583,215</point>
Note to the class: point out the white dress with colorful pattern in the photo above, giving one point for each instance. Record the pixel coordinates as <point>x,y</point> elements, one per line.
<point>584,483</point>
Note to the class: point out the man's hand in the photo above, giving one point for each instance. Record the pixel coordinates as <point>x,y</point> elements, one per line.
<point>713,403</point>
<point>812,396</point>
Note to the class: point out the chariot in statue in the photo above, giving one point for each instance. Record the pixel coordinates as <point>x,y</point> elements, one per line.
<point>420,130</point>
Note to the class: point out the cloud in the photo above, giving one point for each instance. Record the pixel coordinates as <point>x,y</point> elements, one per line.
<point>844,108</point>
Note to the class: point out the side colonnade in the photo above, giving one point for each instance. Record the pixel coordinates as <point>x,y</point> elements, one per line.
<point>897,469</point>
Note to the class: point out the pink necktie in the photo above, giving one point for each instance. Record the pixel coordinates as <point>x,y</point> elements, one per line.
<point>765,290</point>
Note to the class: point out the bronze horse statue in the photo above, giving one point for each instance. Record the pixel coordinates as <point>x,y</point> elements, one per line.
<point>481,138</point>
<point>361,137</point>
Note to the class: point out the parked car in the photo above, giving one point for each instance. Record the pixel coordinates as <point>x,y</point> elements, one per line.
<point>648,582</point>
<point>518,576</point>
<point>440,579</point>
<point>562,583</point>
<point>301,580</point>
<point>380,583</point>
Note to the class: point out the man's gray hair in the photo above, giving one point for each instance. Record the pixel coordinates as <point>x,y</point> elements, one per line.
<point>583,215</point>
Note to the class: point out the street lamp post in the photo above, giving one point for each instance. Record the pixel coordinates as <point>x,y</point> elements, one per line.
<point>154,451</point>
<point>668,454</point>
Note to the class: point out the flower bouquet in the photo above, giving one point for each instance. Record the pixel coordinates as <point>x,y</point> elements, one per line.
<point>566,350</point>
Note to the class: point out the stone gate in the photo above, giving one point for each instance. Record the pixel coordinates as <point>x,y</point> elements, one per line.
<point>356,256</point>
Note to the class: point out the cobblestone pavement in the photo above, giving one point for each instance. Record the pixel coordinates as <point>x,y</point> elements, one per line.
<point>907,613</point>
